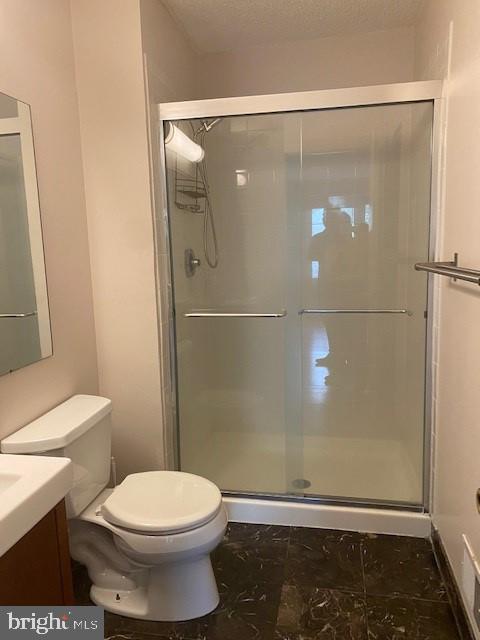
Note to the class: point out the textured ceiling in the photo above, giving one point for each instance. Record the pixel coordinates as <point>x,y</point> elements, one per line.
<point>221,25</point>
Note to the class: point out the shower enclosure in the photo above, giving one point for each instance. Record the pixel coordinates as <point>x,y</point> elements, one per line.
<point>300,357</point>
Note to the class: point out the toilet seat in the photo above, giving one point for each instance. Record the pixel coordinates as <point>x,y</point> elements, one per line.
<point>169,546</point>
<point>159,503</point>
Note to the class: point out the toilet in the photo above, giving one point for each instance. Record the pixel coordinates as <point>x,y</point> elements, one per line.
<point>146,543</point>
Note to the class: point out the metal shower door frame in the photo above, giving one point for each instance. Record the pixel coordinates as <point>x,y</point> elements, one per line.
<point>408,92</point>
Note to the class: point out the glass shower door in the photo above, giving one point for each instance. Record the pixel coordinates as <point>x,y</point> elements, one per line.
<point>364,199</point>
<point>301,354</point>
<point>233,321</point>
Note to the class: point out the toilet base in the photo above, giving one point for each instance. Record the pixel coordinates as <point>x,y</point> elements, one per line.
<point>173,592</point>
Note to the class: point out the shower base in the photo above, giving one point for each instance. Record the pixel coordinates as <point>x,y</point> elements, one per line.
<point>355,469</point>
<point>361,468</point>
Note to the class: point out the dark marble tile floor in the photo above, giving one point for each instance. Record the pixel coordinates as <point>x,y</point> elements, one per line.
<point>291,583</point>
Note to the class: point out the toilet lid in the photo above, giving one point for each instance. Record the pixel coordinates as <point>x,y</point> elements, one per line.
<point>162,502</point>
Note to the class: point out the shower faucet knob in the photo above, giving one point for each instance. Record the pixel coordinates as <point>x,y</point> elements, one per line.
<point>191,263</point>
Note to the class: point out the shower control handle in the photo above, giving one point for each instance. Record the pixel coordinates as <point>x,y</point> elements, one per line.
<point>191,263</point>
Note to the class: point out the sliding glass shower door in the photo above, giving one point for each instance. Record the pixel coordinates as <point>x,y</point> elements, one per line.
<point>300,321</point>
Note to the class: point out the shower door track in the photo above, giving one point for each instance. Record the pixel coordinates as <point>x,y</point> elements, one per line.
<point>327,99</point>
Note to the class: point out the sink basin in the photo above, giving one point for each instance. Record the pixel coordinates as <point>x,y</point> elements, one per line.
<point>30,486</point>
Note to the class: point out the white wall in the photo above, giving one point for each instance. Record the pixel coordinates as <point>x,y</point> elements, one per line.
<point>170,59</point>
<point>38,68</point>
<point>303,65</point>
<point>457,469</point>
<point>109,66</point>
<point>110,38</point>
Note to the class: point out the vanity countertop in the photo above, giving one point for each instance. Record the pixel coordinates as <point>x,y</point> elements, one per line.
<point>30,486</point>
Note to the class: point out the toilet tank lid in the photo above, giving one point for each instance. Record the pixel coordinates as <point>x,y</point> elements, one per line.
<point>59,427</point>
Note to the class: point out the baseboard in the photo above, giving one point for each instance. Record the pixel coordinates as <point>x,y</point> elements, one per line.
<point>461,618</point>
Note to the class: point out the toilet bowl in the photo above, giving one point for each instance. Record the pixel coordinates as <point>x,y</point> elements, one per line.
<point>155,559</point>
<point>147,542</point>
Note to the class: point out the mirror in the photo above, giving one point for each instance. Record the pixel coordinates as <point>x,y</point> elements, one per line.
<point>25,335</point>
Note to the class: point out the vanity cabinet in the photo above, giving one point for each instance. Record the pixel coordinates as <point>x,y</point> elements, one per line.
<point>36,570</point>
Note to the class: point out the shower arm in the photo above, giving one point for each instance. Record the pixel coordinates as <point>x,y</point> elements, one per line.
<point>206,127</point>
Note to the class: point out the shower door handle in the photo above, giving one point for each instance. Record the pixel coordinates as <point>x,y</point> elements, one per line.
<point>214,314</point>
<point>314,311</point>
<point>28,314</point>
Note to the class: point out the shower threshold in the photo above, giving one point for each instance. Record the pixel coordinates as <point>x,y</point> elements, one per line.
<point>326,513</point>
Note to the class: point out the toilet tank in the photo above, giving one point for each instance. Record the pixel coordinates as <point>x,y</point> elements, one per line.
<point>79,429</point>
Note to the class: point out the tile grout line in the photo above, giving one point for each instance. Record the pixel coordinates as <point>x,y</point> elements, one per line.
<point>360,544</point>
<point>364,587</point>
<point>283,581</point>
<point>405,596</point>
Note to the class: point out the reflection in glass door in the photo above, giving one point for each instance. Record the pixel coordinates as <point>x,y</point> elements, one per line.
<point>301,354</point>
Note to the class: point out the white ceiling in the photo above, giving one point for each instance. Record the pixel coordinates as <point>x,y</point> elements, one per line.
<point>221,25</point>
